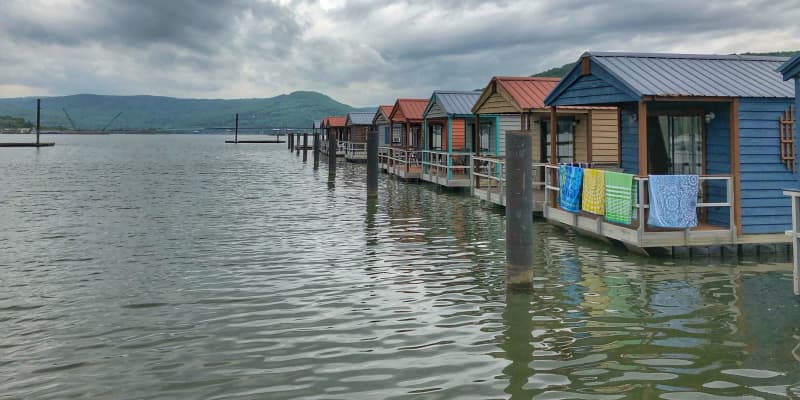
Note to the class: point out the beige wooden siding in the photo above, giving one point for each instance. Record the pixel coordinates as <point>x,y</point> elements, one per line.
<point>359,134</point>
<point>496,104</point>
<point>605,137</point>
<point>580,145</point>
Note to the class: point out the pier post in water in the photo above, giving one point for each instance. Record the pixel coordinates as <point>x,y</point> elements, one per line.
<point>372,163</point>
<point>519,209</point>
<point>332,155</point>
<point>38,119</point>
<point>289,141</point>
<point>794,194</point>
<point>236,130</point>
<point>305,147</point>
<point>297,146</point>
<point>316,150</point>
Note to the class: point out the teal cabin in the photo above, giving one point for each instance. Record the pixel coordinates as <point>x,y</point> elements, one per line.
<point>448,135</point>
<point>723,118</point>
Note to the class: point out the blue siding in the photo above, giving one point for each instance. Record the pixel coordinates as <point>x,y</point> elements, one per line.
<point>718,161</point>
<point>764,207</point>
<point>629,140</point>
<point>597,88</point>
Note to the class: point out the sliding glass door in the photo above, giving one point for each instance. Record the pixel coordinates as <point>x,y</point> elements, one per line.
<point>675,144</point>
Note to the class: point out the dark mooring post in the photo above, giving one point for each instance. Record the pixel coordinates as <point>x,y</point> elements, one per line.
<point>305,147</point>
<point>316,151</point>
<point>519,209</point>
<point>236,130</point>
<point>289,141</point>
<point>332,155</point>
<point>38,119</point>
<point>297,147</point>
<point>372,163</point>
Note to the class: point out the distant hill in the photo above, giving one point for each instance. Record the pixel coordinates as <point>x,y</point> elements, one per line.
<point>559,72</point>
<point>91,112</point>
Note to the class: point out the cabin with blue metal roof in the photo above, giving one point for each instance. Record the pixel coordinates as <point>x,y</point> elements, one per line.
<point>448,134</point>
<point>715,116</point>
<point>357,126</point>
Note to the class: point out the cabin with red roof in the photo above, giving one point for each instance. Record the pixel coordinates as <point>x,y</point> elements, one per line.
<point>585,134</point>
<point>336,127</point>
<point>405,152</point>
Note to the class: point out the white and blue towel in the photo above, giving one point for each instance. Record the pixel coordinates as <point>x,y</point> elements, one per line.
<point>673,201</point>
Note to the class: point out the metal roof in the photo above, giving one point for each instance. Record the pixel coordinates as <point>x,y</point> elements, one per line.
<point>336,122</point>
<point>360,118</point>
<point>456,102</point>
<point>383,109</point>
<point>317,123</point>
<point>647,74</point>
<point>791,68</point>
<point>412,109</point>
<point>527,92</point>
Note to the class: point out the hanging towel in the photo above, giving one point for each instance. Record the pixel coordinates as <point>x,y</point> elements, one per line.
<point>570,182</point>
<point>673,201</point>
<point>620,195</point>
<point>593,195</point>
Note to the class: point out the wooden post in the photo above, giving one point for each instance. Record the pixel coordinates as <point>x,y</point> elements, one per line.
<point>476,141</point>
<point>236,130</point>
<point>372,163</point>
<point>735,165</point>
<point>305,147</point>
<point>297,146</point>
<point>38,119</point>
<point>332,154</point>
<point>794,195</point>
<point>408,140</point>
<point>644,170</point>
<point>316,150</point>
<point>519,209</point>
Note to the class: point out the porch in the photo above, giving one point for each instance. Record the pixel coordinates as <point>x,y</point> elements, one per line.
<point>449,169</point>
<point>404,163</point>
<point>355,152</point>
<point>488,181</point>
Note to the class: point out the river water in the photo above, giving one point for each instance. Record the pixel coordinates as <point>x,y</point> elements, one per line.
<point>178,267</point>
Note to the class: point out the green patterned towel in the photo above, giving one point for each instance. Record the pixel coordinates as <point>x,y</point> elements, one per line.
<point>620,195</point>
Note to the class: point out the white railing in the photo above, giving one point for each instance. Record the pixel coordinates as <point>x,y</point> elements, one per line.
<point>442,163</point>
<point>642,202</point>
<point>490,173</point>
<point>383,155</point>
<point>356,151</point>
<point>401,158</point>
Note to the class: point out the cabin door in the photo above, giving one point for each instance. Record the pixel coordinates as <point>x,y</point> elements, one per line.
<point>675,144</point>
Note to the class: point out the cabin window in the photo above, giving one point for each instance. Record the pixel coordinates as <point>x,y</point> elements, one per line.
<point>468,135</point>
<point>486,130</point>
<point>415,137</point>
<point>436,139</point>
<point>675,144</point>
<point>397,135</point>
<point>566,139</point>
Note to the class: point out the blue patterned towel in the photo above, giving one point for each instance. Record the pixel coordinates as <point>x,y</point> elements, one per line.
<point>673,201</point>
<point>570,182</point>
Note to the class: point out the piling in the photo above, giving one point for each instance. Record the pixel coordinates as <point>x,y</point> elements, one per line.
<point>297,147</point>
<point>38,119</point>
<point>519,209</point>
<point>305,147</point>
<point>372,163</point>
<point>236,130</point>
<point>316,151</point>
<point>289,141</point>
<point>332,155</point>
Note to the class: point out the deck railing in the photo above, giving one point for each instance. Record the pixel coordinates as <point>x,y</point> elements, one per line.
<point>490,173</point>
<point>642,203</point>
<point>401,158</point>
<point>356,151</point>
<point>442,163</point>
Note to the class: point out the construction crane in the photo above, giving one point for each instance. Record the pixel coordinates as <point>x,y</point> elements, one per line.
<point>71,122</point>
<point>110,122</point>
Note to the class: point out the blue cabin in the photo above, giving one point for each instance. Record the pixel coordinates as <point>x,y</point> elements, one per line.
<point>716,116</point>
<point>448,135</point>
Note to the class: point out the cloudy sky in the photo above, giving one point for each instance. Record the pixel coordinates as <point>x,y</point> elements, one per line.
<point>359,52</point>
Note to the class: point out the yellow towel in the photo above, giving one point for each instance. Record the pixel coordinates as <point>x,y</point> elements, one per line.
<point>594,191</point>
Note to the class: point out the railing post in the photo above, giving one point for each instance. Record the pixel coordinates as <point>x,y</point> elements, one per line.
<point>731,208</point>
<point>519,209</point>
<point>640,230</point>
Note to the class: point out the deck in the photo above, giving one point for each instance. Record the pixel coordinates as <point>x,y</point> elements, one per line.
<point>27,144</point>
<point>496,196</point>
<point>448,169</point>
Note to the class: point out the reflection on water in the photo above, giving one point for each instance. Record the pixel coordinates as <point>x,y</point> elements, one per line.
<point>178,267</point>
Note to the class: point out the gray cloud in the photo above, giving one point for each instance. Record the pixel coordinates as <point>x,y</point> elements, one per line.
<point>360,52</point>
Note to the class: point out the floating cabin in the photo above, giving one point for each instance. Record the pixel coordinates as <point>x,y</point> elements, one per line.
<point>335,126</point>
<point>404,155</point>
<point>355,145</point>
<point>586,134</point>
<point>722,118</point>
<point>381,122</point>
<point>449,127</point>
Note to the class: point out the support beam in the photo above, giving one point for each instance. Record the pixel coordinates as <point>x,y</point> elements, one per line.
<point>553,153</point>
<point>642,118</point>
<point>736,166</point>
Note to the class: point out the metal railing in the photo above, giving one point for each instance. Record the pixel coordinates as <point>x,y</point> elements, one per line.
<point>641,204</point>
<point>489,173</point>
<point>401,158</point>
<point>355,151</point>
<point>442,163</point>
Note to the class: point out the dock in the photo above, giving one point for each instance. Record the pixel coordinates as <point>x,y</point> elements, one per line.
<point>26,144</point>
<point>256,141</point>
